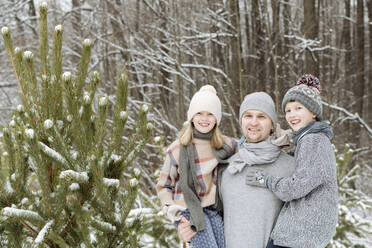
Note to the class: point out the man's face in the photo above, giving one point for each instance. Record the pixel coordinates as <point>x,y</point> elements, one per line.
<point>256,126</point>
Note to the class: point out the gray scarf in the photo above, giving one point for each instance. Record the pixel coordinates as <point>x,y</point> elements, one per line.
<point>253,154</point>
<point>313,127</point>
<point>189,181</point>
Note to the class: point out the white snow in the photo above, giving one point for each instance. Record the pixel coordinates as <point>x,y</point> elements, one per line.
<point>14,212</point>
<point>52,153</point>
<point>58,28</point>
<point>124,115</point>
<point>12,123</point>
<point>48,124</point>
<point>30,133</point>
<point>103,101</point>
<point>28,55</point>
<point>133,182</point>
<point>66,76</point>
<point>43,232</point>
<point>4,30</point>
<point>81,177</point>
<point>74,187</point>
<point>87,42</point>
<point>145,108</point>
<point>109,182</point>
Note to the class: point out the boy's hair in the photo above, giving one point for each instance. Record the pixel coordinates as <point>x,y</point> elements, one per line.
<point>186,134</point>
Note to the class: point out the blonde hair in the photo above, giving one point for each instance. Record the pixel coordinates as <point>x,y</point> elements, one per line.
<point>186,135</point>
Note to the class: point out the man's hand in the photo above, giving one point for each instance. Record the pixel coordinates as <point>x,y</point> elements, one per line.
<point>184,230</point>
<point>256,177</point>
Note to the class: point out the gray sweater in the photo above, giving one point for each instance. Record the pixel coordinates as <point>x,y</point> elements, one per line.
<point>250,212</point>
<point>309,216</point>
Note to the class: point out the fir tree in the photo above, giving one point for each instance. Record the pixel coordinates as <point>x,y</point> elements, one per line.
<point>63,185</point>
<point>352,203</point>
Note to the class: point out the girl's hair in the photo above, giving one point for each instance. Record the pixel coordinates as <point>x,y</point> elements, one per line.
<point>186,134</point>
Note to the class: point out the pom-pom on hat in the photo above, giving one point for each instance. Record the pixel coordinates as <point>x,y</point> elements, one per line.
<point>307,92</point>
<point>205,99</point>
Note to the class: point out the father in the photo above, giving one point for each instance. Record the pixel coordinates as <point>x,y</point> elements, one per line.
<point>250,212</point>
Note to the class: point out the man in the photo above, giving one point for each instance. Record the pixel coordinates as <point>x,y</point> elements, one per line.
<point>250,212</point>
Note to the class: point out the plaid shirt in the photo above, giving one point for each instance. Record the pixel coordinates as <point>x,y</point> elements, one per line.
<point>168,187</point>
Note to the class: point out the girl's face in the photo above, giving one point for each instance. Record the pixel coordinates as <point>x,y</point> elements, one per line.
<point>297,115</point>
<point>204,121</point>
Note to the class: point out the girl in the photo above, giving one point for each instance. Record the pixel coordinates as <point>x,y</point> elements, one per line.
<point>187,183</point>
<point>309,215</point>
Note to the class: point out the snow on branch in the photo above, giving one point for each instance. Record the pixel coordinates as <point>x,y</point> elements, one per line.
<point>104,226</point>
<point>43,232</point>
<point>81,177</point>
<point>350,116</point>
<point>109,182</point>
<point>52,153</point>
<point>207,68</point>
<point>20,213</point>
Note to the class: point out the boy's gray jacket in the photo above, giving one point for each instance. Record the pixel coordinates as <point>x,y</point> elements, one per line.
<point>309,216</point>
<point>250,212</point>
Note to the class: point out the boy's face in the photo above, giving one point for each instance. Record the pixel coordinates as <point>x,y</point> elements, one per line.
<point>297,115</point>
<point>256,126</point>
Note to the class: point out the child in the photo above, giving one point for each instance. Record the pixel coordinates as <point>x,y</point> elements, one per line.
<point>309,215</point>
<point>187,183</point>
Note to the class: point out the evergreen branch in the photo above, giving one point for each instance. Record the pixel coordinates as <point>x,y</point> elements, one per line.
<point>4,193</point>
<point>83,67</point>
<point>9,44</point>
<point>53,154</point>
<point>43,233</point>
<point>57,66</point>
<point>44,46</point>
<point>22,214</point>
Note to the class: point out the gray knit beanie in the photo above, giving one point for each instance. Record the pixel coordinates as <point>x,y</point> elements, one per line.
<point>258,101</point>
<point>307,92</point>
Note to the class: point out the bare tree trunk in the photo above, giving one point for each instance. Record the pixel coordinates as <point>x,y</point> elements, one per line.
<point>275,44</point>
<point>310,30</point>
<point>235,73</point>
<point>369,98</point>
<point>359,62</point>
<point>249,62</point>
<point>164,75</point>
<point>258,43</point>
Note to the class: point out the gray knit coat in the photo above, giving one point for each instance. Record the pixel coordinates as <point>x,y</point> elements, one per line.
<point>308,219</point>
<point>249,212</point>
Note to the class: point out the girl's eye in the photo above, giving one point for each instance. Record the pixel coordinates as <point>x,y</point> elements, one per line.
<point>210,114</point>
<point>287,110</point>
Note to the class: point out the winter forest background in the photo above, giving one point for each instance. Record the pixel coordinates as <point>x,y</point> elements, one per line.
<point>169,49</point>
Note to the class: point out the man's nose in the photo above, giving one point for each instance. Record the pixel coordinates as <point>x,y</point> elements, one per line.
<point>254,121</point>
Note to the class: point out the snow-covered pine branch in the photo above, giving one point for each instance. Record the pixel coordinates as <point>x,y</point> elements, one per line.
<point>43,233</point>
<point>22,214</point>
<point>81,177</point>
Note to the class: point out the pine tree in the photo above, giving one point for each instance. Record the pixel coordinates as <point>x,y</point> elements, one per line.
<point>63,183</point>
<point>352,203</point>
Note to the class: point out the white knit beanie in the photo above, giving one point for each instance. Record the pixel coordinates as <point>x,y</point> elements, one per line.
<point>205,99</point>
